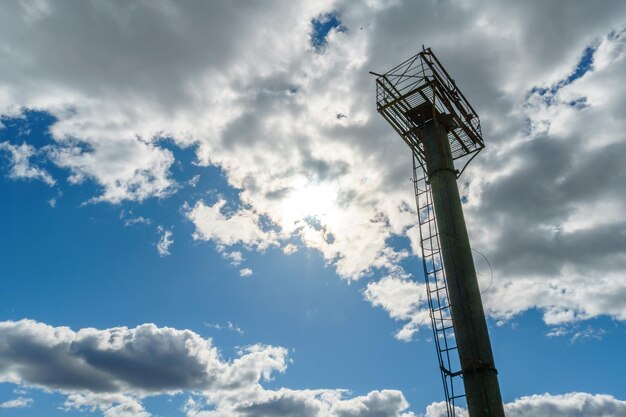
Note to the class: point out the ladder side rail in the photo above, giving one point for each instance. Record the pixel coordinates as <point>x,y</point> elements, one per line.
<point>436,289</point>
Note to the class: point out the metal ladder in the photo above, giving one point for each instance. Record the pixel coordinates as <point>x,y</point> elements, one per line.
<point>437,290</point>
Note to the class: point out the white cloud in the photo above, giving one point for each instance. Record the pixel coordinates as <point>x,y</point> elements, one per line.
<point>136,220</point>
<point>129,219</point>
<point>575,404</point>
<point>193,182</point>
<point>290,248</point>
<point>235,257</point>
<point>227,326</point>
<point>308,403</point>
<point>403,299</point>
<point>577,333</point>
<point>165,241</point>
<point>110,405</point>
<point>400,297</point>
<point>242,226</point>
<point>245,272</point>
<point>127,169</point>
<point>19,402</point>
<point>376,403</point>
<point>440,409</point>
<point>21,167</point>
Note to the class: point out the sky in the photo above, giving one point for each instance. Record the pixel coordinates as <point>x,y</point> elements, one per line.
<point>203,215</point>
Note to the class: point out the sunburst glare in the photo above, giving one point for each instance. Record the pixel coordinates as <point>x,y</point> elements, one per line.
<point>312,200</point>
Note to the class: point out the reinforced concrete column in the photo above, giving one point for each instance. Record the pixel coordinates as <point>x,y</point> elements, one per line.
<point>480,377</point>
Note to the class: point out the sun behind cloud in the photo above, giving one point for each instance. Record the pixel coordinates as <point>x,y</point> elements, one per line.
<point>317,200</point>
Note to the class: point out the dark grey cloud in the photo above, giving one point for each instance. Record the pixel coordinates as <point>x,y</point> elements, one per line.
<point>548,207</point>
<point>36,362</point>
<point>111,370</point>
<point>282,405</point>
<point>117,47</point>
<point>154,361</point>
<point>146,359</point>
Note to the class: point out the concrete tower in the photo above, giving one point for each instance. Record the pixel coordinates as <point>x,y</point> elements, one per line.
<point>423,104</point>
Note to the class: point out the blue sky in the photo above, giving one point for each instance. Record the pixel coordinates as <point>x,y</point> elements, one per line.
<point>190,229</point>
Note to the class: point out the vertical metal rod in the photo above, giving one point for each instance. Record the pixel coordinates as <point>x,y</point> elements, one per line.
<point>480,377</point>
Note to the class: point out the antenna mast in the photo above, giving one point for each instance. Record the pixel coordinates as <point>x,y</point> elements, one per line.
<point>422,103</point>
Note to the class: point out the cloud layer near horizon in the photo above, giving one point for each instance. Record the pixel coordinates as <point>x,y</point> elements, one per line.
<point>113,370</point>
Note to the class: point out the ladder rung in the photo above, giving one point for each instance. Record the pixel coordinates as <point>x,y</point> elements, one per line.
<point>448,349</point>
<point>432,277</point>
<point>435,310</point>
